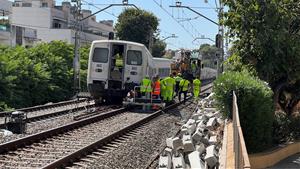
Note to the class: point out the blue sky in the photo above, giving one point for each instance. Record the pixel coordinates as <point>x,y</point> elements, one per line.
<point>194,28</point>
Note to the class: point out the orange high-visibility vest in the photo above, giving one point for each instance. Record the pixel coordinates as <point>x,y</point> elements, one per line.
<point>156,88</point>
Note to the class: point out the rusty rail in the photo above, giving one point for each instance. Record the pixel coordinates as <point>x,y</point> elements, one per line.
<point>241,159</point>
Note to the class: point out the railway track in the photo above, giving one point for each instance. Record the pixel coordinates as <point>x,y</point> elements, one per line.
<point>47,111</point>
<point>59,146</point>
<point>135,148</point>
<point>55,121</point>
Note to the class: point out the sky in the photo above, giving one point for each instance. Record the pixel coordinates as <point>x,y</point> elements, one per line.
<point>192,25</point>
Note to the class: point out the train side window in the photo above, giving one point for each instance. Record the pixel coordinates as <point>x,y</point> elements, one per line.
<point>100,55</point>
<point>164,72</point>
<point>134,57</point>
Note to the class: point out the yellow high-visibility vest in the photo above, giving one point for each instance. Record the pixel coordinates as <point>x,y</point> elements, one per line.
<point>146,85</point>
<point>184,84</point>
<point>196,84</point>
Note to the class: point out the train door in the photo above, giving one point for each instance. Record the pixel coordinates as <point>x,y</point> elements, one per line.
<point>133,65</point>
<point>116,71</point>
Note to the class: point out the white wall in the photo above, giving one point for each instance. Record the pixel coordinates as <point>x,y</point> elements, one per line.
<point>31,17</point>
<point>48,35</point>
<point>5,38</point>
<point>5,5</point>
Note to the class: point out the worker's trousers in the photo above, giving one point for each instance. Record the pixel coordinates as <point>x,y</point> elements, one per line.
<point>168,95</point>
<point>184,94</point>
<point>196,93</point>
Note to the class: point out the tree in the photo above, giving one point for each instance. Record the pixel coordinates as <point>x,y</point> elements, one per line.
<point>209,56</point>
<point>136,25</point>
<point>158,48</point>
<point>266,36</point>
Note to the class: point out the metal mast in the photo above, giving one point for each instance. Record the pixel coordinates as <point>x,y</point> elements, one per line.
<point>77,16</point>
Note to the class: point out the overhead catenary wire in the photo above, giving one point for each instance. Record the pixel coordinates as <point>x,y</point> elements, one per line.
<point>174,18</point>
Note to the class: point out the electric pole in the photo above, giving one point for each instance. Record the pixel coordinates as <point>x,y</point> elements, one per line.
<point>76,61</point>
<point>221,32</point>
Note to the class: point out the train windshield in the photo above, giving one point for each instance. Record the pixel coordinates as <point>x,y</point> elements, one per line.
<point>100,55</point>
<point>134,57</point>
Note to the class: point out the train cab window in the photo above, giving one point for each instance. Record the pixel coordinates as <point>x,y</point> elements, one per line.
<point>134,57</point>
<point>100,55</point>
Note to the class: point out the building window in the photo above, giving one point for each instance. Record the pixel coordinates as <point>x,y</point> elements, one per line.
<point>45,4</point>
<point>56,25</point>
<point>16,4</point>
<point>26,5</point>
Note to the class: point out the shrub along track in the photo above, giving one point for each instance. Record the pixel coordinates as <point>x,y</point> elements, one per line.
<point>57,147</point>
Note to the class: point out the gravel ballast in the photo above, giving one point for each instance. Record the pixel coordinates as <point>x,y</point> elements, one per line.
<point>146,143</point>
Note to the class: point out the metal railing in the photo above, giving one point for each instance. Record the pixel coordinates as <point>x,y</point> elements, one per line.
<point>240,150</point>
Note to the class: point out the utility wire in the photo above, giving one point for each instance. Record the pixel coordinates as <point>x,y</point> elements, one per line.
<point>192,26</point>
<point>174,18</point>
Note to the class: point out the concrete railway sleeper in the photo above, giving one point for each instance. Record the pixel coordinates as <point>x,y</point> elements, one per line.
<point>154,161</point>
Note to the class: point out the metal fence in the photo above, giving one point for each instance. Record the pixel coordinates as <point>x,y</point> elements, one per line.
<point>240,150</point>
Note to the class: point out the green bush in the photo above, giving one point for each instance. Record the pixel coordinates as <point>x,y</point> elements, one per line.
<point>255,105</point>
<point>37,75</point>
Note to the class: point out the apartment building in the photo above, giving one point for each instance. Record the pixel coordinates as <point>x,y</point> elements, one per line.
<point>57,22</point>
<point>13,35</point>
<point>5,9</point>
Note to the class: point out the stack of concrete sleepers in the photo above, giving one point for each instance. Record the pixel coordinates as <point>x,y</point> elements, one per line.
<point>198,143</point>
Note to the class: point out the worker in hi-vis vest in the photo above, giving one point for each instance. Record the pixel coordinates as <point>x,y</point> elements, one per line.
<point>156,87</point>
<point>184,87</point>
<point>178,78</point>
<point>196,87</point>
<point>170,85</point>
<point>163,89</point>
<point>156,90</point>
<point>146,87</point>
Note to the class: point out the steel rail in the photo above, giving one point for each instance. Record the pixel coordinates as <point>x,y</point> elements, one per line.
<point>13,145</point>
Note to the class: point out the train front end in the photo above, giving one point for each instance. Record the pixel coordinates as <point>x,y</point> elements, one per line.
<point>114,68</point>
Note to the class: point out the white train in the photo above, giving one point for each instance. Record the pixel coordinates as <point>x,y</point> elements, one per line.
<point>117,66</point>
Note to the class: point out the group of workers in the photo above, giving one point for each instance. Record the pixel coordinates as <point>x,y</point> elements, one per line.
<point>170,87</point>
